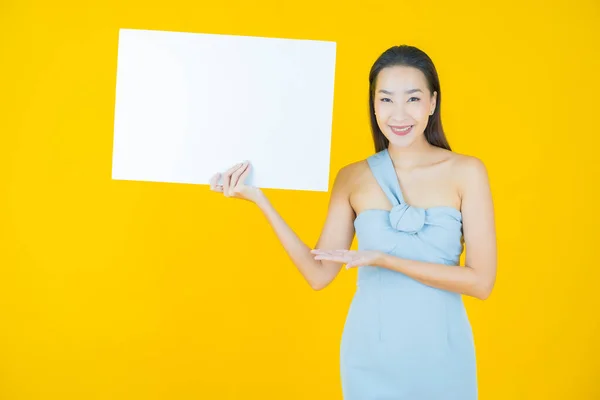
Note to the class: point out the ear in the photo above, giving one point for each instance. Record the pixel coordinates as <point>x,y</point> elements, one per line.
<point>433,101</point>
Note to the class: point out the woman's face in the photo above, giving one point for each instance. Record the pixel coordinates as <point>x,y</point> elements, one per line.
<point>402,104</point>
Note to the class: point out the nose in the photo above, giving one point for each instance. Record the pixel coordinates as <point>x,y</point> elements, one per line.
<point>398,113</point>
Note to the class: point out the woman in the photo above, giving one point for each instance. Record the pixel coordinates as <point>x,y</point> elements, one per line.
<point>413,204</point>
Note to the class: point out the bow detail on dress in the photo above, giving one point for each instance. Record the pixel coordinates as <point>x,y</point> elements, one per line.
<point>406,218</point>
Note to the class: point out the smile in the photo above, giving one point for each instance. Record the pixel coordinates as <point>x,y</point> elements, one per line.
<point>402,130</point>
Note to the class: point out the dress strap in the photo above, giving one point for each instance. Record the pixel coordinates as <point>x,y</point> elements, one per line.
<point>402,216</point>
<point>383,170</point>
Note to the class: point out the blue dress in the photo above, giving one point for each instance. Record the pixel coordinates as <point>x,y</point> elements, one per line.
<point>402,339</point>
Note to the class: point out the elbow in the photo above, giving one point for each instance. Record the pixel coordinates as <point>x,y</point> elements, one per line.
<point>316,286</point>
<point>319,284</point>
<point>481,285</point>
<point>320,280</point>
<point>483,294</point>
<point>484,290</point>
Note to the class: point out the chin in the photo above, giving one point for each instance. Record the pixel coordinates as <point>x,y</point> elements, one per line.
<point>400,141</point>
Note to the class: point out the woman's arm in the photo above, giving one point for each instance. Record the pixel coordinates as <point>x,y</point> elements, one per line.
<point>478,276</point>
<point>337,232</point>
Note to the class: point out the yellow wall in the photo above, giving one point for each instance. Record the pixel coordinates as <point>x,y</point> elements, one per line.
<point>137,290</point>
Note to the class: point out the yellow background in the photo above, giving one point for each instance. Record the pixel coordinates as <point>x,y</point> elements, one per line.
<point>137,290</point>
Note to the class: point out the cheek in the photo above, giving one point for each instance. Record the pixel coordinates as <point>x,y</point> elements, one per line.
<point>382,111</point>
<point>420,113</point>
<point>377,108</point>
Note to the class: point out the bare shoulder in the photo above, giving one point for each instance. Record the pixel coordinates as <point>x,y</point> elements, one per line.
<point>468,162</point>
<point>351,175</point>
<point>469,170</point>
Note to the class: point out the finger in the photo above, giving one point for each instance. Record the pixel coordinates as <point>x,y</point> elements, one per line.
<point>235,177</point>
<point>325,254</point>
<point>330,258</point>
<point>214,182</point>
<point>245,173</point>
<point>333,252</point>
<point>339,253</point>
<point>227,177</point>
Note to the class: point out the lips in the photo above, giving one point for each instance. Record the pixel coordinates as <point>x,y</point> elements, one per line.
<point>402,130</point>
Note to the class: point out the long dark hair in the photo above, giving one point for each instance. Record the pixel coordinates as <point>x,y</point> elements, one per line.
<point>410,56</point>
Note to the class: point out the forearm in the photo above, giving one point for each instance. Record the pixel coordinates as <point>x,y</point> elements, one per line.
<point>312,270</point>
<point>464,280</point>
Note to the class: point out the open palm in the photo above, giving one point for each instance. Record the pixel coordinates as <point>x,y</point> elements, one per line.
<point>352,258</point>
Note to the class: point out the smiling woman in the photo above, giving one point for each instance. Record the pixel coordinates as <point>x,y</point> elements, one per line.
<point>412,205</point>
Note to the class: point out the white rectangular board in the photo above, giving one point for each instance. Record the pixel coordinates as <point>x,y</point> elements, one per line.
<point>189,105</point>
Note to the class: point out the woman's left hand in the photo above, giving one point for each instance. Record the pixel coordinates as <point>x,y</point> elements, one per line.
<point>352,258</point>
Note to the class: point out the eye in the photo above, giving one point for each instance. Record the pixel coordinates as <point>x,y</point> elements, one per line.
<point>384,99</point>
<point>414,98</point>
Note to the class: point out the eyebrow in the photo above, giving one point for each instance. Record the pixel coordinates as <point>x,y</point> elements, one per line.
<point>406,92</point>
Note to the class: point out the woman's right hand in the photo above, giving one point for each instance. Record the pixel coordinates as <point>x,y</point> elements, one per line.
<point>234,183</point>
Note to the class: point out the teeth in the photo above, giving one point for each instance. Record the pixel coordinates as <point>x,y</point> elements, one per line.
<point>402,130</point>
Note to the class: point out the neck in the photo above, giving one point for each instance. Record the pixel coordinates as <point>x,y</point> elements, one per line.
<point>406,158</point>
